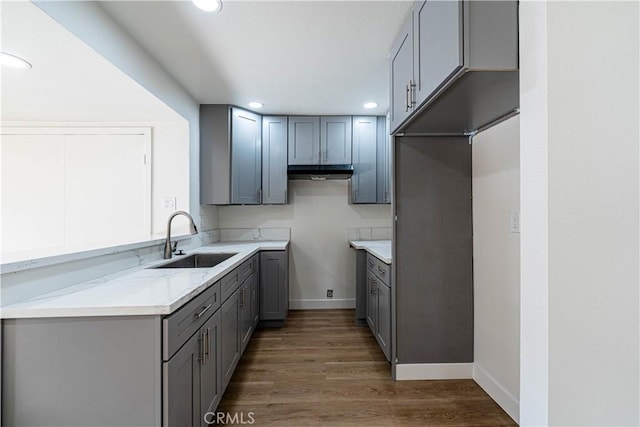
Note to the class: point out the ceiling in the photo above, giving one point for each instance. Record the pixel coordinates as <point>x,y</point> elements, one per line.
<point>69,82</point>
<point>297,57</point>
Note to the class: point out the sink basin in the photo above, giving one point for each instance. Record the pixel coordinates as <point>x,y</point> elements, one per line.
<point>197,261</point>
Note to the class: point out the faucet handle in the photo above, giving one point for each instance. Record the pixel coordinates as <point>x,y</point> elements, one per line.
<point>174,246</point>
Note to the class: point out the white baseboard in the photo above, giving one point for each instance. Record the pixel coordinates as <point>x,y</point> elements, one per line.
<point>434,371</point>
<point>506,400</point>
<point>321,304</point>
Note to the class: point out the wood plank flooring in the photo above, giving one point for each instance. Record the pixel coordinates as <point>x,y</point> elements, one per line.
<point>321,369</point>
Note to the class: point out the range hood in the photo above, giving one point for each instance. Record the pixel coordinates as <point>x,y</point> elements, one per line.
<point>320,172</point>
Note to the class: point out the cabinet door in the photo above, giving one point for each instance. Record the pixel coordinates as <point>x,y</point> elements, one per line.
<point>210,381</point>
<point>304,140</point>
<point>246,320</point>
<point>230,337</point>
<point>363,181</point>
<point>335,140</point>
<point>255,298</point>
<point>372,301</point>
<point>438,44</point>
<point>181,383</point>
<point>383,324</point>
<point>246,157</point>
<point>383,194</point>
<point>274,160</point>
<point>402,74</point>
<point>274,285</point>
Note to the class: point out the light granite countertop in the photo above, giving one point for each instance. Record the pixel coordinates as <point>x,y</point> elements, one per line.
<point>142,292</point>
<point>381,249</point>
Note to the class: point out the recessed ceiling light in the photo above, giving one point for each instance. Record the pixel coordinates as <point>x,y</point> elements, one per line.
<point>13,61</point>
<point>370,105</point>
<point>256,104</point>
<point>209,5</point>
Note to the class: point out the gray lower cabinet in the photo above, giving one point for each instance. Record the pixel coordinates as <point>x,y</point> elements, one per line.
<point>274,287</point>
<point>191,384</point>
<point>246,316</point>
<point>231,346</point>
<point>255,294</point>
<point>378,313</point>
<point>274,160</point>
<point>230,155</point>
<point>136,370</point>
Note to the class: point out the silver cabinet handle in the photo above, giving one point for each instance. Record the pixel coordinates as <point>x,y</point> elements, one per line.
<point>199,315</point>
<point>406,99</point>
<point>201,349</point>
<point>373,288</point>
<point>241,297</point>
<point>412,101</point>
<point>381,271</point>
<point>207,347</point>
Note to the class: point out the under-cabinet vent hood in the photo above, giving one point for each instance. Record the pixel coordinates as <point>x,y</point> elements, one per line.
<point>320,172</point>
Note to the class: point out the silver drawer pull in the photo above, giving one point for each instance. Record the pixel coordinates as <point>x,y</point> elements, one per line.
<point>199,315</point>
<point>381,271</point>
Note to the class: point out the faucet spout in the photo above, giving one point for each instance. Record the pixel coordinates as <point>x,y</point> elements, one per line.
<point>168,247</point>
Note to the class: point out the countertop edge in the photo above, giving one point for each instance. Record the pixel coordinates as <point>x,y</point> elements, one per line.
<point>23,311</point>
<point>371,246</point>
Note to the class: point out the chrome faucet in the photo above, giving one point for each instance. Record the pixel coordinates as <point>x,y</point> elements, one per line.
<point>168,247</point>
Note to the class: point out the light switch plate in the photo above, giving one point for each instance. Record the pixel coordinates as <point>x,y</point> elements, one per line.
<point>169,202</point>
<point>514,222</point>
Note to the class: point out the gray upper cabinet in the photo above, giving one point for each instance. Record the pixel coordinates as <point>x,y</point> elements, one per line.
<point>437,44</point>
<point>383,167</point>
<point>246,157</point>
<point>192,385</point>
<point>370,182</point>
<point>230,155</point>
<point>402,74</point>
<point>274,160</point>
<point>472,43</point>
<point>304,140</point>
<point>317,140</point>
<point>335,140</point>
<point>364,179</point>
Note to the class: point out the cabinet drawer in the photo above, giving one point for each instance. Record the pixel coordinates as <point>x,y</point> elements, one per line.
<point>179,326</point>
<point>232,281</point>
<point>379,268</point>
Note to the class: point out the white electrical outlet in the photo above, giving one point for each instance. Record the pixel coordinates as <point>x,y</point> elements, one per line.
<point>514,222</point>
<point>169,202</point>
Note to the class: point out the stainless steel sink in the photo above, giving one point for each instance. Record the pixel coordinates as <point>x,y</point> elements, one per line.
<point>197,261</point>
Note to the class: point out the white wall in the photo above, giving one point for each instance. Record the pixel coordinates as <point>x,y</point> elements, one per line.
<point>318,215</point>
<point>580,213</point>
<point>89,22</point>
<point>496,263</point>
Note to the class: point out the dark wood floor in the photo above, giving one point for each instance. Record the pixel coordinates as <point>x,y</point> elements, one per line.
<point>321,369</point>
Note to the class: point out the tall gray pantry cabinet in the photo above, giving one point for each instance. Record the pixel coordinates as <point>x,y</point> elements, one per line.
<point>454,72</point>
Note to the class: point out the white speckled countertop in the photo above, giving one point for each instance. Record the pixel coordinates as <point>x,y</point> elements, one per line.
<point>378,248</point>
<point>141,292</point>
